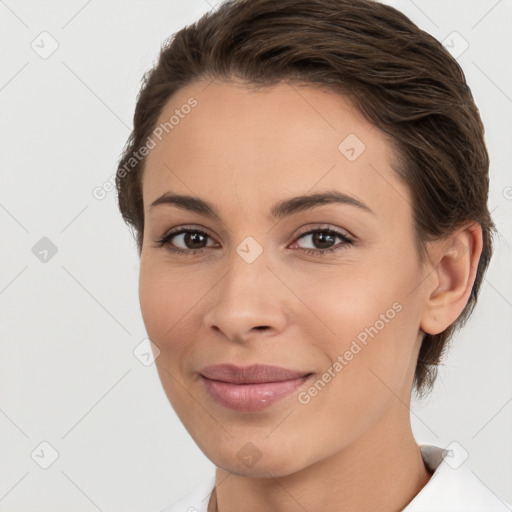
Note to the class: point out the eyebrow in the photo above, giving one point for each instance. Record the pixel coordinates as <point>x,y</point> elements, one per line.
<point>279,210</point>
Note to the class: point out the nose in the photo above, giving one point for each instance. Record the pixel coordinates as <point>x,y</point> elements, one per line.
<point>248,302</point>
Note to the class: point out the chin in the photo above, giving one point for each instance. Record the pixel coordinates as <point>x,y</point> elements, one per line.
<point>246,459</point>
<point>259,470</point>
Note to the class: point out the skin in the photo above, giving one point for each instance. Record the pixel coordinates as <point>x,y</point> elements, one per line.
<point>351,447</point>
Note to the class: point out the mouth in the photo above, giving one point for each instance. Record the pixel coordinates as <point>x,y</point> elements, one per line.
<point>253,374</point>
<point>251,388</point>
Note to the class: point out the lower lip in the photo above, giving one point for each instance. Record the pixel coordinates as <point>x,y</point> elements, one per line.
<point>251,397</point>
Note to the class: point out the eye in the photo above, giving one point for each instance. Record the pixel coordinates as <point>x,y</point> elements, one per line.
<point>325,238</point>
<point>192,240</point>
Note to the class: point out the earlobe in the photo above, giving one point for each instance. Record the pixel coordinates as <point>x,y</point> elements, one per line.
<point>455,264</point>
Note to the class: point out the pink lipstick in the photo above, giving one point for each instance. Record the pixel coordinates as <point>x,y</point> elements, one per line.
<point>251,388</point>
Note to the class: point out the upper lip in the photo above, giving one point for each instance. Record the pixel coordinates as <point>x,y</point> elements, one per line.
<point>253,374</point>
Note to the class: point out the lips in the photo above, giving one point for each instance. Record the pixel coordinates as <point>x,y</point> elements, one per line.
<point>253,374</point>
<point>251,388</point>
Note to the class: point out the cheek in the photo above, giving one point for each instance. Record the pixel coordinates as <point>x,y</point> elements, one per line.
<point>366,316</point>
<point>152,303</point>
<point>164,301</point>
<point>367,354</point>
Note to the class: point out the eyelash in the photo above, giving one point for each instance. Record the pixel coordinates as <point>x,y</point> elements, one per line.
<point>165,241</point>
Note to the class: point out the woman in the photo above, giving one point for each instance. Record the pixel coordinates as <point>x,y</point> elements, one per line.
<point>307,182</point>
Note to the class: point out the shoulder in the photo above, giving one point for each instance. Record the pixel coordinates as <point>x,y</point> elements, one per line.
<point>454,487</point>
<point>196,500</point>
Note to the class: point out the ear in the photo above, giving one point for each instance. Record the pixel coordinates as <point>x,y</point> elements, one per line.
<point>455,262</point>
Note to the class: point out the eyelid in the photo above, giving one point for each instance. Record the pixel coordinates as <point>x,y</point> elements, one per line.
<point>325,227</point>
<point>187,227</point>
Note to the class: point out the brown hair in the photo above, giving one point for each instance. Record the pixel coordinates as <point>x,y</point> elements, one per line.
<point>401,79</point>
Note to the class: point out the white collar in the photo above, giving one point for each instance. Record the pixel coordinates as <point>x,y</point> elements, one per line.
<point>453,487</point>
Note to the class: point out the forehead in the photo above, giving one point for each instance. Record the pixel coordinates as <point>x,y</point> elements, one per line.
<point>263,145</point>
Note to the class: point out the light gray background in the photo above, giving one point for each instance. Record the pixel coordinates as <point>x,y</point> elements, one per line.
<point>69,325</point>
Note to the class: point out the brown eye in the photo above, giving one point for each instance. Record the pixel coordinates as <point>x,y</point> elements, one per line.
<point>192,239</point>
<point>324,240</point>
<point>185,241</point>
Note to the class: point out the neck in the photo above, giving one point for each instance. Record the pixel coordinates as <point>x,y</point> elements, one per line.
<point>382,471</point>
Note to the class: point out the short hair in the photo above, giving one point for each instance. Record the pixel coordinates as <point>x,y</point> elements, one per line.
<point>399,77</point>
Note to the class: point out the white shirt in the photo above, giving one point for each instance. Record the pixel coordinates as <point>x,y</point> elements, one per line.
<point>452,488</point>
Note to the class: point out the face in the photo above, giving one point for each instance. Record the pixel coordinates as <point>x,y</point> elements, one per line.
<point>331,290</point>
